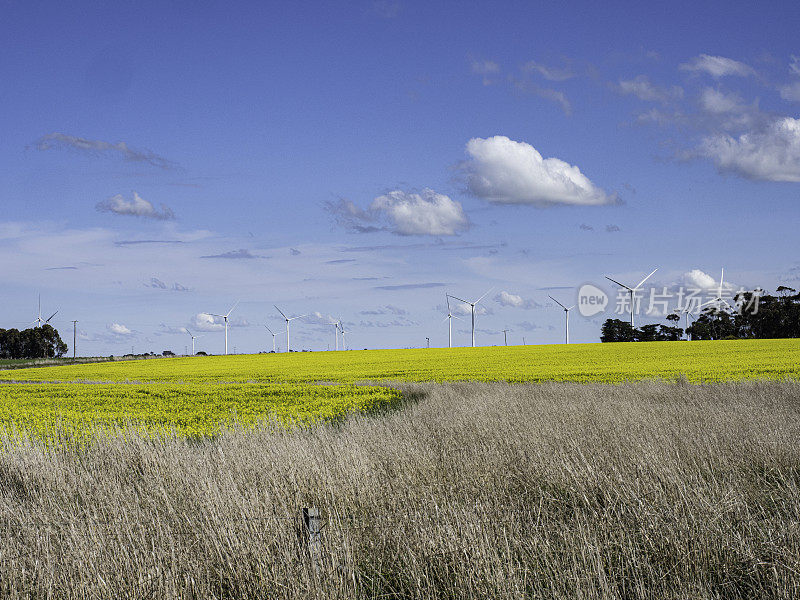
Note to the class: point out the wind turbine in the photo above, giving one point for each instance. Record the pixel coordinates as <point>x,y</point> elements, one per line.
<point>450,316</point>
<point>341,328</point>
<point>335,332</point>
<point>273,337</point>
<point>505,336</point>
<point>472,307</point>
<point>288,320</point>
<point>194,337</point>
<point>225,317</point>
<point>719,299</point>
<point>39,320</point>
<point>632,290</point>
<point>566,314</point>
<point>686,312</point>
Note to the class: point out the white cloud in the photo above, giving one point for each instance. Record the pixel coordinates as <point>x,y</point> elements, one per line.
<point>505,298</point>
<point>206,322</point>
<point>119,329</point>
<point>697,279</point>
<point>487,68</point>
<point>504,171</point>
<point>403,213</point>
<point>717,66</point>
<point>642,88</point>
<point>427,213</point>
<point>717,102</point>
<point>549,73</point>
<point>136,207</point>
<point>791,92</point>
<point>772,154</point>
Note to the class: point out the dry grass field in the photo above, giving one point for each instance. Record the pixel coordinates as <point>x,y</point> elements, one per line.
<point>555,490</point>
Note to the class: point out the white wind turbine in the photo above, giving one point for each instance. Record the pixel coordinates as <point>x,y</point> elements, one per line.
<point>472,307</point>
<point>341,328</point>
<point>288,320</point>
<point>633,290</point>
<point>718,299</point>
<point>225,318</point>
<point>39,320</point>
<point>566,314</point>
<point>273,337</point>
<point>450,316</point>
<point>194,337</point>
<point>686,312</point>
<point>335,333</point>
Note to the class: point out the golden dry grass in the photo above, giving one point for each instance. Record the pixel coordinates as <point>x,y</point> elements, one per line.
<point>647,490</point>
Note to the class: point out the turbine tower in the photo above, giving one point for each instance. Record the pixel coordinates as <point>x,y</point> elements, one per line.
<point>335,333</point>
<point>341,328</point>
<point>288,320</point>
<point>505,336</point>
<point>632,290</point>
<point>194,337</point>
<point>449,318</point>
<point>566,314</point>
<point>273,337</point>
<point>686,312</point>
<point>225,318</point>
<point>472,307</point>
<point>39,320</point>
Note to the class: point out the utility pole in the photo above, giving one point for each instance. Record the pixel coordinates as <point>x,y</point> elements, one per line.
<point>74,338</point>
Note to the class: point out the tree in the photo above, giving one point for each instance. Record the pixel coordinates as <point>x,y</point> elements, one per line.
<point>615,330</point>
<point>36,342</point>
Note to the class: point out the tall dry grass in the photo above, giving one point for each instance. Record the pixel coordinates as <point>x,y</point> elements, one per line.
<point>649,490</point>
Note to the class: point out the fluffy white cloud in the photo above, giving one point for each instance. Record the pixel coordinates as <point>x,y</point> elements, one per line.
<point>772,154</point>
<point>206,322</point>
<point>119,329</point>
<point>642,88</point>
<point>136,207</point>
<point>697,279</point>
<point>717,66</point>
<point>427,213</point>
<point>403,213</point>
<point>504,171</point>
<point>505,298</point>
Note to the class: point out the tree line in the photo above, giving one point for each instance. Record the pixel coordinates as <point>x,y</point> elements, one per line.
<point>764,316</point>
<point>36,342</point>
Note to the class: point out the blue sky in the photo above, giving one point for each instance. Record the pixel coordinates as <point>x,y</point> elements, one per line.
<point>358,160</point>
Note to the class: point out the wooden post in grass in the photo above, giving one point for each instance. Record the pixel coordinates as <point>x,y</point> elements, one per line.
<point>313,536</point>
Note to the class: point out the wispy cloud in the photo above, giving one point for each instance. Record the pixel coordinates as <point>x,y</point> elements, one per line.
<point>717,66</point>
<point>410,286</point>
<point>642,88</point>
<point>242,253</point>
<point>145,242</point>
<point>135,207</point>
<point>487,69</point>
<point>507,299</point>
<point>549,73</point>
<point>58,140</point>
<point>156,284</point>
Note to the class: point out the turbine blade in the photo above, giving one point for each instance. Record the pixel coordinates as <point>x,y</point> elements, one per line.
<point>646,278</point>
<point>557,302</point>
<point>721,277</point>
<point>280,311</point>
<point>51,316</point>
<point>617,282</point>
<point>460,300</point>
<point>484,296</point>
<point>570,308</point>
<point>234,308</point>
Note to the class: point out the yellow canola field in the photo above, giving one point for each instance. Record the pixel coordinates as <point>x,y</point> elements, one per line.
<point>74,411</point>
<point>610,363</point>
